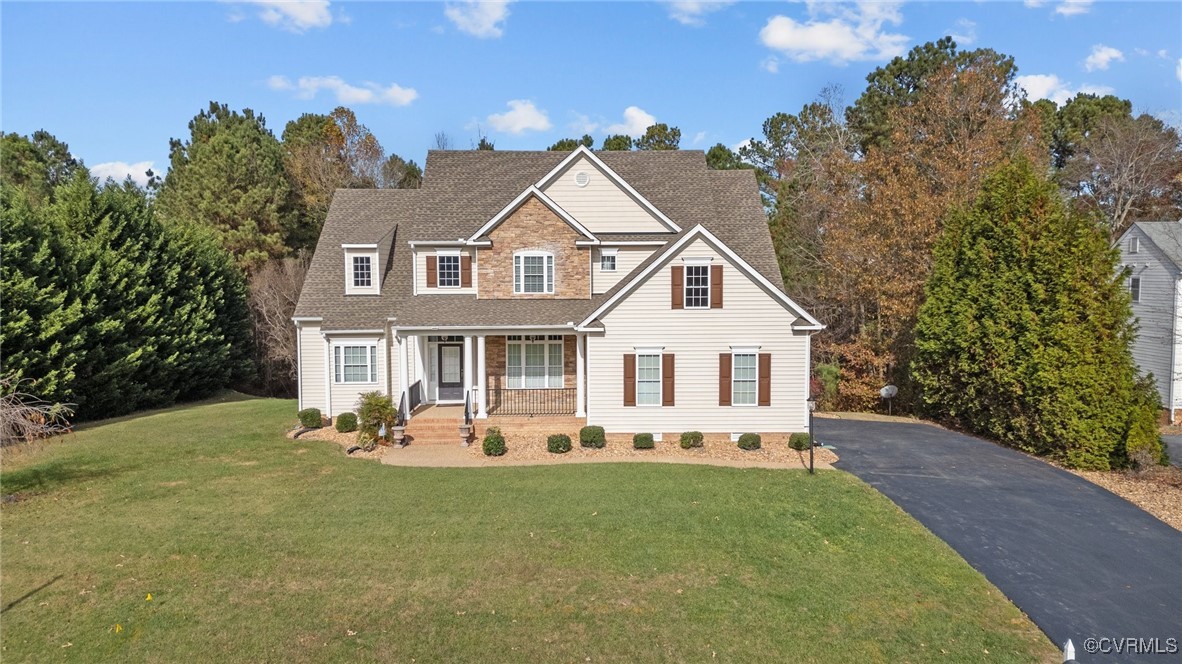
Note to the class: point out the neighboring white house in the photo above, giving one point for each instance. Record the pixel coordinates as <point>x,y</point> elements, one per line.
<point>638,291</point>
<point>1152,251</point>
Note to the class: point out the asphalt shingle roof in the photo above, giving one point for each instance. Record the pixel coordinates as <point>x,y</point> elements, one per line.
<point>462,190</point>
<point>1167,235</point>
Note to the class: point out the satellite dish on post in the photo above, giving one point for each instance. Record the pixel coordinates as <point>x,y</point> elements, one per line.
<point>889,393</point>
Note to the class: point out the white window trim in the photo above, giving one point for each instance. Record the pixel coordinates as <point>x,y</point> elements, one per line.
<point>548,276</point>
<point>337,354</point>
<point>1135,292</point>
<point>660,377</point>
<point>375,271</point>
<point>1134,245</point>
<point>546,343</point>
<point>354,265</point>
<point>733,365</point>
<point>440,254</point>
<point>686,285</point>
<point>613,254</point>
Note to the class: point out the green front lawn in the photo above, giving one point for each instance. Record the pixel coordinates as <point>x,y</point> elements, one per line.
<point>257,548</point>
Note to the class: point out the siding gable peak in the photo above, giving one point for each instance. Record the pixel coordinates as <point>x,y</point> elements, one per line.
<point>582,153</point>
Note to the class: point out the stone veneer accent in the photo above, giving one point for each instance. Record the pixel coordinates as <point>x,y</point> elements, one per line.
<point>534,227</point>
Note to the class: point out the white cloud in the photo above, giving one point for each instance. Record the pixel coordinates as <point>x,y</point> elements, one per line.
<point>583,124</point>
<point>1101,57</point>
<point>1178,71</point>
<point>119,170</point>
<point>740,145</point>
<point>965,32</point>
<point>636,120</point>
<point>770,64</point>
<point>698,138</point>
<point>1050,86</point>
<point>1034,3</point>
<point>1172,118</point>
<point>1073,7</point>
<point>368,93</point>
<point>854,33</point>
<point>1140,51</point>
<point>521,117</point>
<point>1162,54</point>
<point>693,12</point>
<point>294,15</point>
<point>479,18</point>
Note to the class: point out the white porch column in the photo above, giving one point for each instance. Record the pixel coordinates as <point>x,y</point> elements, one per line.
<point>467,365</point>
<point>481,380</point>
<point>580,372</point>
<point>403,374</point>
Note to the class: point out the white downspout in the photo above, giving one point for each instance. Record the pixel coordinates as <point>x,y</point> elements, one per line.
<point>1174,373</point>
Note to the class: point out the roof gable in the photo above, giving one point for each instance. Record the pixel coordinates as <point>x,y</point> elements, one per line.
<point>1165,235</point>
<point>670,252</point>
<point>603,187</point>
<point>531,192</point>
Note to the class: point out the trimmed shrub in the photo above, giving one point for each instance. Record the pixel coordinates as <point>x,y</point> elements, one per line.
<point>691,439</point>
<point>310,417</point>
<point>494,442</point>
<point>374,409</point>
<point>799,441</point>
<point>346,422</point>
<point>750,441</point>
<point>643,441</point>
<point>592,436</point>
<point>1143,445</point>
<point>558,443</point>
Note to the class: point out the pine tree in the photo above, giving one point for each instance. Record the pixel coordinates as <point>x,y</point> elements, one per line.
<point>1025,333</point>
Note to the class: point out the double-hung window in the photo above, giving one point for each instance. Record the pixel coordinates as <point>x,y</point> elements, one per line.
<point>1134,245</point>
<point>533,361</point>
<point>533,273</point>
<point>355,364</point>
<point>697,286</point>
<point>648,379</point>
<point>449,271</point>
<point>1135,288</point>
<point>744,378</point>
<point>607,260</point>
<point>362,271</point>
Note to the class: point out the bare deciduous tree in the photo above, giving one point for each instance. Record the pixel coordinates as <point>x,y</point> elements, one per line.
<point>25,417</point>
<point>1128,170</point>
<point>274,291</point>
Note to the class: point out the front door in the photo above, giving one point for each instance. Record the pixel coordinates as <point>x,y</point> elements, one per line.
<point>451,372</point>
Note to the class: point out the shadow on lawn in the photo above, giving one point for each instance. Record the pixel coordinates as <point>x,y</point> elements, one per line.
<point>29,594</point>
<point>40,477</point>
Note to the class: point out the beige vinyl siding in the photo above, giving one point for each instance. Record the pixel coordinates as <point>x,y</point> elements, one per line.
<point>1154,348</point>
<point>627,258</point>
<point>311,367</point>
<point>420,258</point>
<point>601,206</point>
<point>344,395</point>
<point>750,317</point>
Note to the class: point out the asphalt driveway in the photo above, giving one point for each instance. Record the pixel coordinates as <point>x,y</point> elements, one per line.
<point>1174,447</point>
<point>1080,561</point>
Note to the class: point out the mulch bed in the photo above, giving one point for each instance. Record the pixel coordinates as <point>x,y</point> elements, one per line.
<point>345,440</point>
<point>533,448</point>
<point>1157,490</point>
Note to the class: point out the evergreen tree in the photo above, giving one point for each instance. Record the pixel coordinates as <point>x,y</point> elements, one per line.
<point>659,137</point>
<point>1025,334</point>
<point>617,142</point>
<point>570,144</point>
<point>229,176</point>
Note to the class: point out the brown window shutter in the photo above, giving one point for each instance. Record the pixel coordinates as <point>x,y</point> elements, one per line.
<point>465,271</point>
<point>765,379</point>
<point>667,380</point>
<point>630,379</point>
<point>724,379</point>
<point>678,287</point>
<point>715,286</point>
<point>432,273</point>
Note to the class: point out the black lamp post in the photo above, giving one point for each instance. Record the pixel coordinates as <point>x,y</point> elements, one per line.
<point>812,402</point>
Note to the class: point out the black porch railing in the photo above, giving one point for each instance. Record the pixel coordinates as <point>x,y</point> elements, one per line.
<point>557,401</point>
<point>416,396</point>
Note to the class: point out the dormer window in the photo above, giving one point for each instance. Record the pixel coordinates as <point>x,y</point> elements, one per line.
<point>362,272</point>
<point>533,272</point>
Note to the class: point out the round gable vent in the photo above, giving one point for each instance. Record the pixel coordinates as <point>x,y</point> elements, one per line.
<point>582,178</point>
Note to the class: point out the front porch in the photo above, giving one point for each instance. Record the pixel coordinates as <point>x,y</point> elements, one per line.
<point>479,376</point>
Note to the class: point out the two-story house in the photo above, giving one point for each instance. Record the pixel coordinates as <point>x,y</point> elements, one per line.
<point>638,291</point>
<point>1152,252</point>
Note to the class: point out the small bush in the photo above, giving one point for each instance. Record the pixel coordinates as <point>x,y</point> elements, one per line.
<point>374,409</point>
<point>750,441</point>
<point>346,422</point>
<point>494,442</point>
<point>691,439</point>
<point>799,441</point>
<point>592,436</point>
<point>310,417</point>
<point>643,441</point>
<point>559,443</point>
<point>1142,445</point>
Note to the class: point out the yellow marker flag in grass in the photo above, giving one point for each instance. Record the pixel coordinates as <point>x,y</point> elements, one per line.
<point>148,598</point>
<point>118,628</point>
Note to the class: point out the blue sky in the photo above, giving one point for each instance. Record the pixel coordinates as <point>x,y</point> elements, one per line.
<point>117,80</point>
